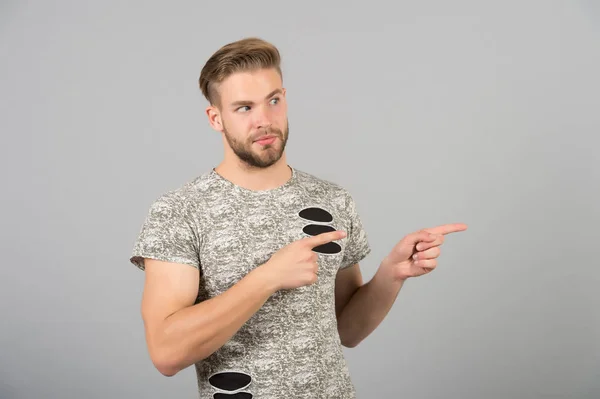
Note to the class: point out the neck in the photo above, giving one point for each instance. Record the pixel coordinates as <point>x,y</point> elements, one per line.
<point>252,178</point>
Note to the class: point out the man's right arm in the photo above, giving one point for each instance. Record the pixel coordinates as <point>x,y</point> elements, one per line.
<point>180,333</point>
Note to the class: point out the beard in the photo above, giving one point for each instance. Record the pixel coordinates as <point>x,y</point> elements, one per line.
<point>264,157</point>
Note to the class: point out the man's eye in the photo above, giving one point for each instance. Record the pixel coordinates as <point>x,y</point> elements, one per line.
<point>244,108</point>
<point>275,100</point>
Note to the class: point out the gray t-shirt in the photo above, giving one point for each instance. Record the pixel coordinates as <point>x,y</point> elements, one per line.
<point>291,347</point>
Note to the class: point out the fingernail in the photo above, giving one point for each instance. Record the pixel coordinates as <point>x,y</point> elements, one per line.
<point>415,256</point>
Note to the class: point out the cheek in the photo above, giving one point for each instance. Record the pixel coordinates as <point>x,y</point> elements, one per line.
<point>238,126</point>
<point>281,112</point>
<point>280,118</point>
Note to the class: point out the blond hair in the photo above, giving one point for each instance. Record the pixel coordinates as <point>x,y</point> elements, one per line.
<point>244,55</point>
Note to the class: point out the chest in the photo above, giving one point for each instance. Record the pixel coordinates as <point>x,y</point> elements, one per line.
<point>236,238</point>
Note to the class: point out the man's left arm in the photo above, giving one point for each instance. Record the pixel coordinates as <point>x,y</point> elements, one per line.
<point>360,308</point>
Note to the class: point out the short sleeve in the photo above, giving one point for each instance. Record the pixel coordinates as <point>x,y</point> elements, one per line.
<point>357,246</point>
<point>167,234</point>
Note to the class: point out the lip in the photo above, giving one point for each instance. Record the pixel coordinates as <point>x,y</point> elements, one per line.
<point>267,137</point>
<point>266,140</point>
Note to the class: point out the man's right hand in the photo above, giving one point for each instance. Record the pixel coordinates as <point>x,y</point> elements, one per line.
<point>295,265</point>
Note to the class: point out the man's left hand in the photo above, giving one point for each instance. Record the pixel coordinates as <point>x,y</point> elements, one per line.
<point>417,253</point>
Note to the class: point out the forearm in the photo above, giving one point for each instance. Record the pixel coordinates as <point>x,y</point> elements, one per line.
<point>368,306</point>
<point>194,333</point>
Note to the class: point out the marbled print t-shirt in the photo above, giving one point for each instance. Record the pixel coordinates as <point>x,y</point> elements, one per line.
<point>291,347</point>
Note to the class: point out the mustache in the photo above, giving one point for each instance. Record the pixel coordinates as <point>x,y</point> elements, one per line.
<point>270,131</point>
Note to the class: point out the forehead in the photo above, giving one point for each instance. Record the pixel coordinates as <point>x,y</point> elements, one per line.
<point>249,85</point>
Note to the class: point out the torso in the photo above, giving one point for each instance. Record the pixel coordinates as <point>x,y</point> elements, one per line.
<point>290,348</point>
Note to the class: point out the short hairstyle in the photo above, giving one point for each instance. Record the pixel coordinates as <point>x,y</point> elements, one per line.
<point>248,54</point>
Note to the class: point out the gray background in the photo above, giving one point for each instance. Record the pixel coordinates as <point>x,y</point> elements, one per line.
<point>428,112</point>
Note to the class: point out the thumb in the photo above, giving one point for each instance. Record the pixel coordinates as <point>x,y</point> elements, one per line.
<point>405,248</point>
<point>418,236</point>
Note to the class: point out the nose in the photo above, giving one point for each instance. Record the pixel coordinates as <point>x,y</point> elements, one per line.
<point>262,118</point>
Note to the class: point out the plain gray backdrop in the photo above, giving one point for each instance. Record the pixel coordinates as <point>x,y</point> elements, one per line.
<point>428,112</point>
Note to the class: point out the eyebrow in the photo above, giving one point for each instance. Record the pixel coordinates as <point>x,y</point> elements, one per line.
<point>246,102</point>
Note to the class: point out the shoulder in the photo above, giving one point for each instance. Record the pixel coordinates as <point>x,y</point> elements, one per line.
<point>185,197</point>
<point>322,187</point>
<point>313,182</point>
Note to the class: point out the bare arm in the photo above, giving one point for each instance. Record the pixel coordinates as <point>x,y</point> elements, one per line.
<point>362,307</point>
<point>179,333</point>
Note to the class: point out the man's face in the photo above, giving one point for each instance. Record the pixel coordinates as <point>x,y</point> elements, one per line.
<point>254,116</point>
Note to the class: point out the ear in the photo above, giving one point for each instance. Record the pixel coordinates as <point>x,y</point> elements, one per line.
<point>214,118</point>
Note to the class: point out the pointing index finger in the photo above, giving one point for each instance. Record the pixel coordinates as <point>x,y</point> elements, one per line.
<point>447,228</point>
<point>324,238</point>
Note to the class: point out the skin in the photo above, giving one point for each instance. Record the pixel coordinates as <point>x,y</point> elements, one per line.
<point>252,105</point>
<point>180,333</point>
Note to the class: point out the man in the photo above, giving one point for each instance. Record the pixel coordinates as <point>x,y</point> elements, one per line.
<point>252,269</point>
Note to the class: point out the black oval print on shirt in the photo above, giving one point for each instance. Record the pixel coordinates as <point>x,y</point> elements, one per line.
<point>230,381</point>
<point>238,395</point>
<point>315,214</point>
<point>330,248</point>
<point>315,229</point>
<point>319,215</point>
